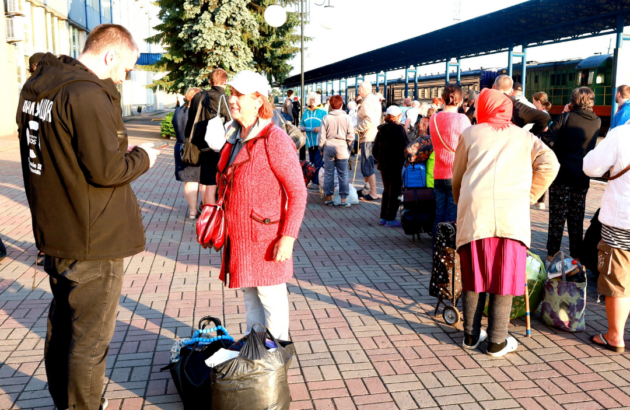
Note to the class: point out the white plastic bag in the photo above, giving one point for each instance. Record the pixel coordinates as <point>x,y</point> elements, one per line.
<point>352,198</point>
<point>215,131</point>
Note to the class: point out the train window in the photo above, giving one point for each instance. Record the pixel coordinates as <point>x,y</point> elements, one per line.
<point>599,79</point>
<point>570,77</point>
<point>564,79</point>
<point>553,79</point>
<point>591,74</point>
<point>536,79</point>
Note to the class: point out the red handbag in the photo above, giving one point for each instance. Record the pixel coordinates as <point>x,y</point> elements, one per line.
<point>211,225</point>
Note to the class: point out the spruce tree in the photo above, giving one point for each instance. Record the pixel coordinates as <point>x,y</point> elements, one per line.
<point>199,36</point>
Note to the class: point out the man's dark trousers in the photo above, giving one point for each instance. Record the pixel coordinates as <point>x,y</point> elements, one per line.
<point>81,323</point>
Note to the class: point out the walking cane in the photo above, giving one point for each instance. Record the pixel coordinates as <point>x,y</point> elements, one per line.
<point>356,164</point>
<point>528,321</point>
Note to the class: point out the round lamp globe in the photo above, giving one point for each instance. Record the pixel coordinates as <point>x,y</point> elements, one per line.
<point>329,18</point>
<point>275,15</point>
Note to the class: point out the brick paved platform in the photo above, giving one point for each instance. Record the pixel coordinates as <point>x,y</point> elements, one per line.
<point>361,317</point>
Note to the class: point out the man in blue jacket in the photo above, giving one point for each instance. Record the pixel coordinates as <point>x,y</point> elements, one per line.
<point>623,99</point>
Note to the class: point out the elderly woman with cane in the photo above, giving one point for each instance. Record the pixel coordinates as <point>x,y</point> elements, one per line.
<point>499,171</point>
<point>261,183</point>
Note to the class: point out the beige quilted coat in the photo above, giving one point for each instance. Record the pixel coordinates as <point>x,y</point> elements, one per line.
<point>497,175</point>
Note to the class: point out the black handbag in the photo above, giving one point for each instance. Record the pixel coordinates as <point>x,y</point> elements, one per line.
<point>190,152</point>
<point>191,375</point>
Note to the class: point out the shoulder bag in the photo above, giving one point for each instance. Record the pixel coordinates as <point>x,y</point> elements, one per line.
<point>607,176</point>
<point>440,136</point>
<point>190,152</point>
<point>215,131</point>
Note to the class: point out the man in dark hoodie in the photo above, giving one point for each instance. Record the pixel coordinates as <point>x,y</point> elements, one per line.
<point>77,168</point>
<point>521,113</point>
<point>204,107</point>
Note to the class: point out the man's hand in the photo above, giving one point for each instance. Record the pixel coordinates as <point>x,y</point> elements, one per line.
<point>567,108</point>
<point>283,250</point>
<point>316,129</point>
<point>152,153</point>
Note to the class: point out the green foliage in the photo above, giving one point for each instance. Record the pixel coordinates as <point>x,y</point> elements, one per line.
<point>274,47</point>
<point>199,36</point>
<point>166,127</point>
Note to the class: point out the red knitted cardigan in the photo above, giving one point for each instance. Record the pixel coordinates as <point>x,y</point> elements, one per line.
<point>265,200</point>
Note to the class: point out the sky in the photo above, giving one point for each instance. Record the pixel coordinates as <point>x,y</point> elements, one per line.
<point>365,25</point>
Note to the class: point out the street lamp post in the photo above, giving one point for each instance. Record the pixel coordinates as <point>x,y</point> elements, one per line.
<point>275,16</point>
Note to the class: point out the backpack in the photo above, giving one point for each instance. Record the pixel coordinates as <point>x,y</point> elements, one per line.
<point>418,129</point>
<point>419,150</point>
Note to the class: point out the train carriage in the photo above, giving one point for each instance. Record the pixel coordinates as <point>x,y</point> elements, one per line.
<point>558,79</point>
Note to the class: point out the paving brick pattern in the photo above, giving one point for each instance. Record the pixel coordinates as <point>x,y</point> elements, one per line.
<point>361,317</point>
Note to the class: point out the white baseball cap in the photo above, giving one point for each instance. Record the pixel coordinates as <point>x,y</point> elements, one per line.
<point>394,110</point>
<point>249,82</point>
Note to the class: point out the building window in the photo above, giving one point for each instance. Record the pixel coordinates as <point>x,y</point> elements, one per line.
<point>94,4</point>
<point>106,9</point>
<point>74,39</point>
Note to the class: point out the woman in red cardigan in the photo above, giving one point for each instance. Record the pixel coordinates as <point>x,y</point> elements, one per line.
<point>265,198</point>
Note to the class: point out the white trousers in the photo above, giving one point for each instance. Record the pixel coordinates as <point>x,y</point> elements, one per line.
<point>269,306</point>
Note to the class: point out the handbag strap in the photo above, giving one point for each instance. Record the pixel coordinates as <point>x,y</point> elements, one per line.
<point>439,135</point>
<point>197,114</point>
<point>626,169</point>
<point>227,106</point>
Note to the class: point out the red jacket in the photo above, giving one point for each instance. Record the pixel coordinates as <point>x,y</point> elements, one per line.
<point>265,200</point>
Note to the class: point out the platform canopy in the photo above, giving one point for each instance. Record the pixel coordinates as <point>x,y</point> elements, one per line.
<point>531,24</point>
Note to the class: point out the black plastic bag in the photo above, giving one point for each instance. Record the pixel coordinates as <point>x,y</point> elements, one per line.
<point>191,375</point>
<point>256,379</point>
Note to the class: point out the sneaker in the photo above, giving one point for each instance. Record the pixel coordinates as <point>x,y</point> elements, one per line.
<point>539,205</point>
<point>482,338</point>
<point>344,205</point>
<point>382,222</point>
<point>104,404</point>
<point>393,224</point>
<point>313,187</point>
<point>510,346</point>
<point>330,203</point>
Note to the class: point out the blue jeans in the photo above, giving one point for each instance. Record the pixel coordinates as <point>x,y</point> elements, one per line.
<point>330,163</point>
<point>445,208</point>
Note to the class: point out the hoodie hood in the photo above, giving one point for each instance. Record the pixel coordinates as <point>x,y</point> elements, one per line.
<point>53,73</point>
<point>587,114</point>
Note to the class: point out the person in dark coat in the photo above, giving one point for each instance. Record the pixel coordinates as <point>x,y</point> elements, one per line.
<point>571,136</point>
<point>196,129</point>
<point>389,152</point>
<point>188,174</point>
<point>522,114</point>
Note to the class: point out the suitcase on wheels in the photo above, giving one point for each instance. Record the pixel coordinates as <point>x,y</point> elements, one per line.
<point>418,214</point>
<point>446,278</point>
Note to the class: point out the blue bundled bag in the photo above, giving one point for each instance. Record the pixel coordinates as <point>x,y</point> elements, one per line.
<point>414,176</point>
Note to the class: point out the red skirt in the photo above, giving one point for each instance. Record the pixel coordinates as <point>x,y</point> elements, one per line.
<point>494,265</point>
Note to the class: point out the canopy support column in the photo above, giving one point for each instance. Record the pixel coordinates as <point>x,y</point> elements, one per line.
<point>450,64</point>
